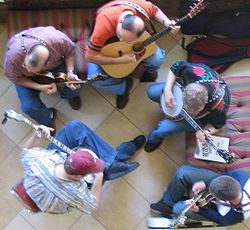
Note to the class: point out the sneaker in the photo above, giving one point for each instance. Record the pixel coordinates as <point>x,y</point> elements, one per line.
<point>119,169</point>
<point>139,141</point>
<point>75,102</point>
<point>161,208</point>
<point>52,123</point>
<point>149,77</point>
<point>150,147</point>
<point>122,100</point>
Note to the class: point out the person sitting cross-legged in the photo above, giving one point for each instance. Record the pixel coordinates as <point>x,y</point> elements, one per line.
<point>230,192</point>
<point>55,181</point>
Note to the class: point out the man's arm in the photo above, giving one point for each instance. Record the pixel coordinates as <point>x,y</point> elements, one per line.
<point>97,186</point>
<point>28,83</point>
<point>34,140</point>
<point>100,59</point>
<point>162,18</point>
<point>169,97</point>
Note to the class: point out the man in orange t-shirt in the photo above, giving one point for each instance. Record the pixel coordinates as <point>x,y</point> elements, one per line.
<point>120,19</point>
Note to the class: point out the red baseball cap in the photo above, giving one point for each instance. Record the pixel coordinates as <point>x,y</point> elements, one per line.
<point>83,162</point>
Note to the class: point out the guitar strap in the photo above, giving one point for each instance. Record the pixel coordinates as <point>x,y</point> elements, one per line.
<point>216,102</point>
<point>32,37</point>
<point>126,3</point>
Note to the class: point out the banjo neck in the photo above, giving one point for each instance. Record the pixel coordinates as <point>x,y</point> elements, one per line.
<point>51,138</point>
<point>196,126</point>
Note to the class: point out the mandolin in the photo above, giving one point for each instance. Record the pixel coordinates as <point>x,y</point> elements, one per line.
<point>143,47</point>
<point>60,78</point>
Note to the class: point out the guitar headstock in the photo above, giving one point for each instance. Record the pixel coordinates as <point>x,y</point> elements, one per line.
<point>194,10</point>
<point>11,114</point>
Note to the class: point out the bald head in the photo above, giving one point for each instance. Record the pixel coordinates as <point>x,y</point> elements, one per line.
<point>134,24</point>
<point>38,55</point>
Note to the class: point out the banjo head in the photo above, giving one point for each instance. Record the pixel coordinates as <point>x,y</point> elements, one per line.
<point>178,104</point>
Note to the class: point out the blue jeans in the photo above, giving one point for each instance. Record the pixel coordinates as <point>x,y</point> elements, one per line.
<point>165,127</point>
<point>32,105</point>
<point>183,181</point>
<point>76,134</point>
<point>118,85</point>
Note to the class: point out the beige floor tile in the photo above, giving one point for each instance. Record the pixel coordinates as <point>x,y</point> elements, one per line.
<point>6,146</point>
<point>87,222</point>
<point>5,83</point>
<point>175,147</point>
<point>177,53</point>
<point>237,227</point>
<point>47,221</point>
<point>117,129</point>
<point>93,112</point>
<point>247,223</point>
<point>167,42</point>
<point>50,100</point>
<point>143,112</point>
<point>11,171</point>
<point>16,131</point>
<point>7,213</point>
<point>143,224</point>
<point>153,175</point>
<point>111,98</point>
<point>121,207</point>
<point>19,223</point>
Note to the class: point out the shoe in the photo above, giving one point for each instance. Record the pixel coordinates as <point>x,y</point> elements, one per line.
<point>161,208</point>
<point>75,102</point>
<point>52,123</point>
<point>139,141</point>
<point>122,100</point>
<point>150,147</point>
<point>149,77</point>
<point>119,169</point>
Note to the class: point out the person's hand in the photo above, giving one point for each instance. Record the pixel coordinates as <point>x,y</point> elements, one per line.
<point>169,98</point>
<point>127,58</point>
<point>200,135</point>
<point>42,129</point>
<point>174,29</point>
<point>73,77</point>
<point>194,207</point>
<point>48,88</point>
<point>198,187</point>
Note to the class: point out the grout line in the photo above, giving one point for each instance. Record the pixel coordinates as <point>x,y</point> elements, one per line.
<point>141,221</point>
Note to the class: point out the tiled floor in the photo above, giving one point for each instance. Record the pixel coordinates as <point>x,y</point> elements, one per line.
<point>125,202</point>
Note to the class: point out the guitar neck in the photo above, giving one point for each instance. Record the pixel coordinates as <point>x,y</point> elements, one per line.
<point>51,139</point>
<point>156,36</point>
<point>194,10</point>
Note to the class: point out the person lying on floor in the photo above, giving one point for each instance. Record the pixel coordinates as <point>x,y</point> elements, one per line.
<point>55,180</point>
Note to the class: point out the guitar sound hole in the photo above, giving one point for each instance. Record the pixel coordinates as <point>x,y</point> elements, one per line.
<point>138,48</point>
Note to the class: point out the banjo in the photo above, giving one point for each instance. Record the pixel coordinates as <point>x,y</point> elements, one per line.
<point>11,114</point>
<point>178,112</point>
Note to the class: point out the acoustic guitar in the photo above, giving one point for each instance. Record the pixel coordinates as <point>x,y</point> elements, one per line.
<point>143,47</point>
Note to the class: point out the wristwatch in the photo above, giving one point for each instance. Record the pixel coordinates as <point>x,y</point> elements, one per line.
<point>70,71</point>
